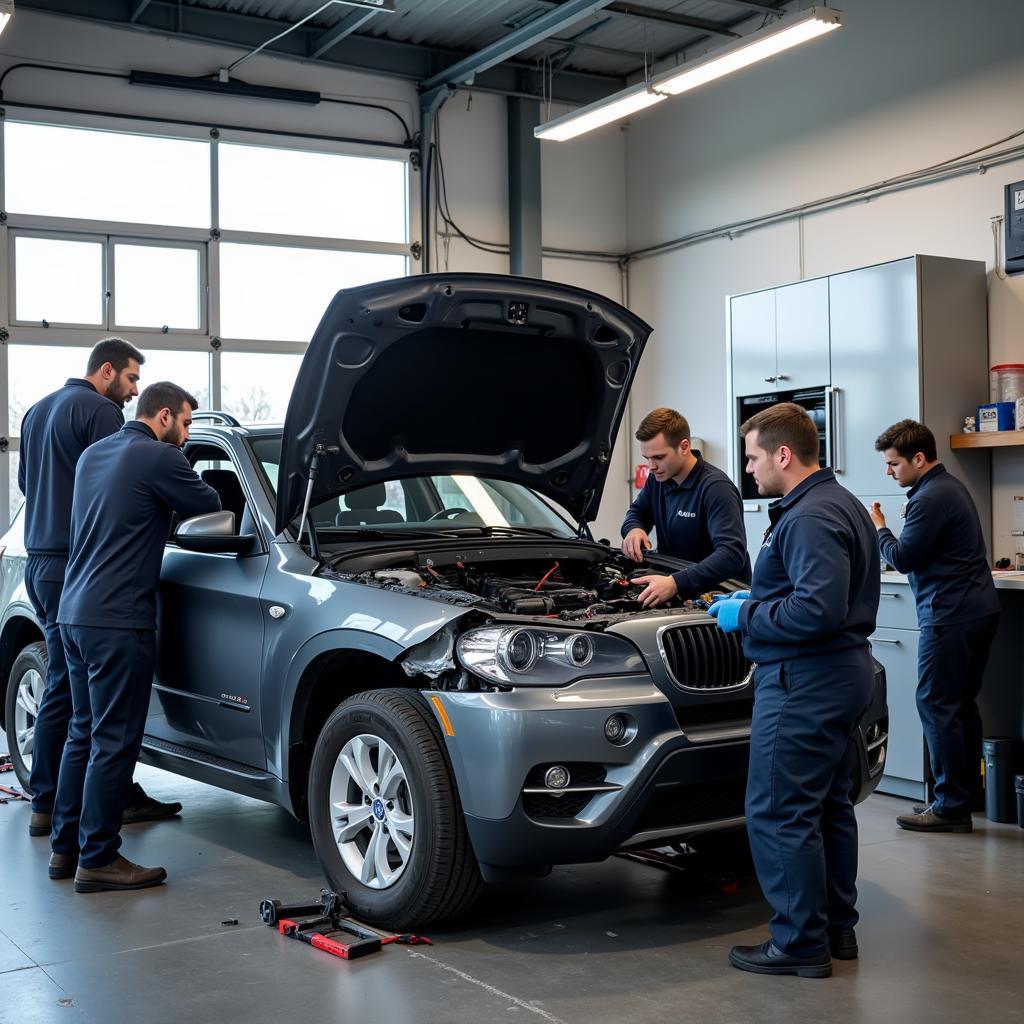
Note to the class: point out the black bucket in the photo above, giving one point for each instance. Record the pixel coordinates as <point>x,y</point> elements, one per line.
<point>1004,757</point>
<point>1018,783</point>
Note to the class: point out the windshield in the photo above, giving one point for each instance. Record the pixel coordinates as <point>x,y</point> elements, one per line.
<point>425,502</point>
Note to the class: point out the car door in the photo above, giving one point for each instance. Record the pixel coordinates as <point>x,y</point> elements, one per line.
<point>210,641</point>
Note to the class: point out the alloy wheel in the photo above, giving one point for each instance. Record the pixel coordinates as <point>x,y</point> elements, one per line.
<point>26,710</point>
<point>371,811</point>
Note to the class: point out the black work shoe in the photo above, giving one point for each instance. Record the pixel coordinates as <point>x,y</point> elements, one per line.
<point>40,823</point>
<point>843,944</point>
<point>929,821</point>
<point>767,959</point>
<point>117,875</point>
<point>144,808</point>
<point>63,865</point>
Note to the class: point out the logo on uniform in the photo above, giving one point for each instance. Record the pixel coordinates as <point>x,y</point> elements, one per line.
<point>686,515</point>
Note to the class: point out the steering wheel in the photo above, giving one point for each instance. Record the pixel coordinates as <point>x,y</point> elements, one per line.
<point>448,513</point>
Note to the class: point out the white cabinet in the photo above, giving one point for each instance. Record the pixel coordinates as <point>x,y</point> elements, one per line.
<point>780,339</point>
<point>802,335</point>
<point>874,358</point>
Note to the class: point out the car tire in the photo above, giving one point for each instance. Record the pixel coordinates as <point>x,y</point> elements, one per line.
<point>28,673</point>
<point>435,875</point>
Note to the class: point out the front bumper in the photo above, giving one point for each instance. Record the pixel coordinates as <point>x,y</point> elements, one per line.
<point>683,772</point>
<point>665,782</point>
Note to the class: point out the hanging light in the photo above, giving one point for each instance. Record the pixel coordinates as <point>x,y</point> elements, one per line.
<point>783,35</point>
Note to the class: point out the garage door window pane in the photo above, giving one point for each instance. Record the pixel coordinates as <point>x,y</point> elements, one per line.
<point>190,370</point>
<point>324,194</point>
<point>53,171</point>
<point>156,287</point>
<point>36,370</point>
<point>257,387</point>
<point>58,280</point>
<point>280,293</point>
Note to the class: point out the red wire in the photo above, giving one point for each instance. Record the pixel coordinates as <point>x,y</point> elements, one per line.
<point>545,577</point>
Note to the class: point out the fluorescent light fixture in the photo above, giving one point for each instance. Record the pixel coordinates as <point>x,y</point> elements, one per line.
<point>766,42</point>
<point>6,13</point>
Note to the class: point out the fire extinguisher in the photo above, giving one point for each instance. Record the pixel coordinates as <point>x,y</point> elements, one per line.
<point>640,476</point>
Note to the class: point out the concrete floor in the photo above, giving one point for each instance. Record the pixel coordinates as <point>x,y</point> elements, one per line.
<point>941,936</point>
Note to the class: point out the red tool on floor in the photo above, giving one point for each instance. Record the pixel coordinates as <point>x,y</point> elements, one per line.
<point>330,928</point>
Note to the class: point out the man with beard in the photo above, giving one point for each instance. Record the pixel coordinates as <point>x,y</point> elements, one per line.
<point>805,623</point>
<point>107,621</point>
<point>54,433</point>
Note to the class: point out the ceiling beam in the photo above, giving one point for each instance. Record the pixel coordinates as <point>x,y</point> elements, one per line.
<point>322,43</point>
<point>365,54</point>
<point>754,5</point>
<point>658,16</point>
<point>514,43</point>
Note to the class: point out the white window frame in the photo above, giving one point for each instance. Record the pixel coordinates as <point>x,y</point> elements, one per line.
<point>208,240</point>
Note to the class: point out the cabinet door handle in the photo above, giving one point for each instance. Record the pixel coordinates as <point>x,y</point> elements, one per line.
<point>782,376</point>
<point>833,429</point>
<point>894,596</point>
<point>880,640</point>
<point>769,380</point>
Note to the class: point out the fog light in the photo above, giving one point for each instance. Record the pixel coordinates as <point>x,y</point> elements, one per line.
<point>615,729</point>
<point>556,777</point>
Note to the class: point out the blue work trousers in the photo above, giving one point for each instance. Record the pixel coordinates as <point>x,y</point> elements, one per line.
<point>802,828</point>
<point>950,665</point>
<point>44,581</point>
<point>111,679</point>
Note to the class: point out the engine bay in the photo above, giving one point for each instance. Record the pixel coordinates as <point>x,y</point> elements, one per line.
<point>580,586</point>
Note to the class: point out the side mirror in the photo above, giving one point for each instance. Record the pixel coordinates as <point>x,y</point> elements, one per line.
<point>213,533</point>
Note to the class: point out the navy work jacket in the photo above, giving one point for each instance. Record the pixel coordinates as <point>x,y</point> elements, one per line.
<point>816,580</point>
<point>699,520</point>
<point>126,488</point>
<point>942,549</point>
<point>54,433</point>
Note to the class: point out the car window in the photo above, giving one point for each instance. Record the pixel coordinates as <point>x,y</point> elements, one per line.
<point>217,470</point>
<point>455,500</point>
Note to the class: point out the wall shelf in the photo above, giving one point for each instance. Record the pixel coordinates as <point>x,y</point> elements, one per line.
<point>988,439</point>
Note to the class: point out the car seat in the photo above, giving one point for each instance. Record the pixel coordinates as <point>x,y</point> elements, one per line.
<point>364,508</point>
<point>225,483</point>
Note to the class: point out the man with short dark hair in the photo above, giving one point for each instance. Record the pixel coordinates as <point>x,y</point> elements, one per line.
<point>126,488</point>
<point>695,508</point>
<point>54,433</point>
<point>942,549</point>
<point>806,624</point>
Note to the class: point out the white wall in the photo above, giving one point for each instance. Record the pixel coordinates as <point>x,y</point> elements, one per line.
<point>900,86</point>
<point>584,193</point>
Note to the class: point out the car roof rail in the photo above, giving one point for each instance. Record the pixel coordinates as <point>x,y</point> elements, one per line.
<point>216,416</point>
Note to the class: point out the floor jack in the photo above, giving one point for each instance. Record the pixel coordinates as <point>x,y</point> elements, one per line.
<point>320,923</point>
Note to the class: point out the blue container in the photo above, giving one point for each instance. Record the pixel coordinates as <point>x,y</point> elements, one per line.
<point>996,416</point>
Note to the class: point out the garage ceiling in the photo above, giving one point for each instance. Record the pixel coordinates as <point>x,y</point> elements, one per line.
<point>583,59</point>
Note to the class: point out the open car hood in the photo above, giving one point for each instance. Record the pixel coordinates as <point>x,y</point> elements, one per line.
<point>481,374</point>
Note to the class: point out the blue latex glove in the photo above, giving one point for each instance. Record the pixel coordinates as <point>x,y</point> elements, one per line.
<point>727,614</point>
<point>736,595</point>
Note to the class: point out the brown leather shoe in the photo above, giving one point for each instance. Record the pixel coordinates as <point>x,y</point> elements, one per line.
<point>929,821</point>
<point>40,824</point>
<point>142,807</point>
<point>63,865</point>
<point>118,874</point>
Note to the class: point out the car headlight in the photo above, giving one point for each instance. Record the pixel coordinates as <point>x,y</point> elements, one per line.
<point>528,656</point>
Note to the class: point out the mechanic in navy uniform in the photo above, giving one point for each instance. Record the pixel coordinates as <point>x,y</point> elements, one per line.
<point>695,508</point>
<point>126,488</point>
<point>54,433</point>
<point>942,549</point>
<point>806,624</point>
